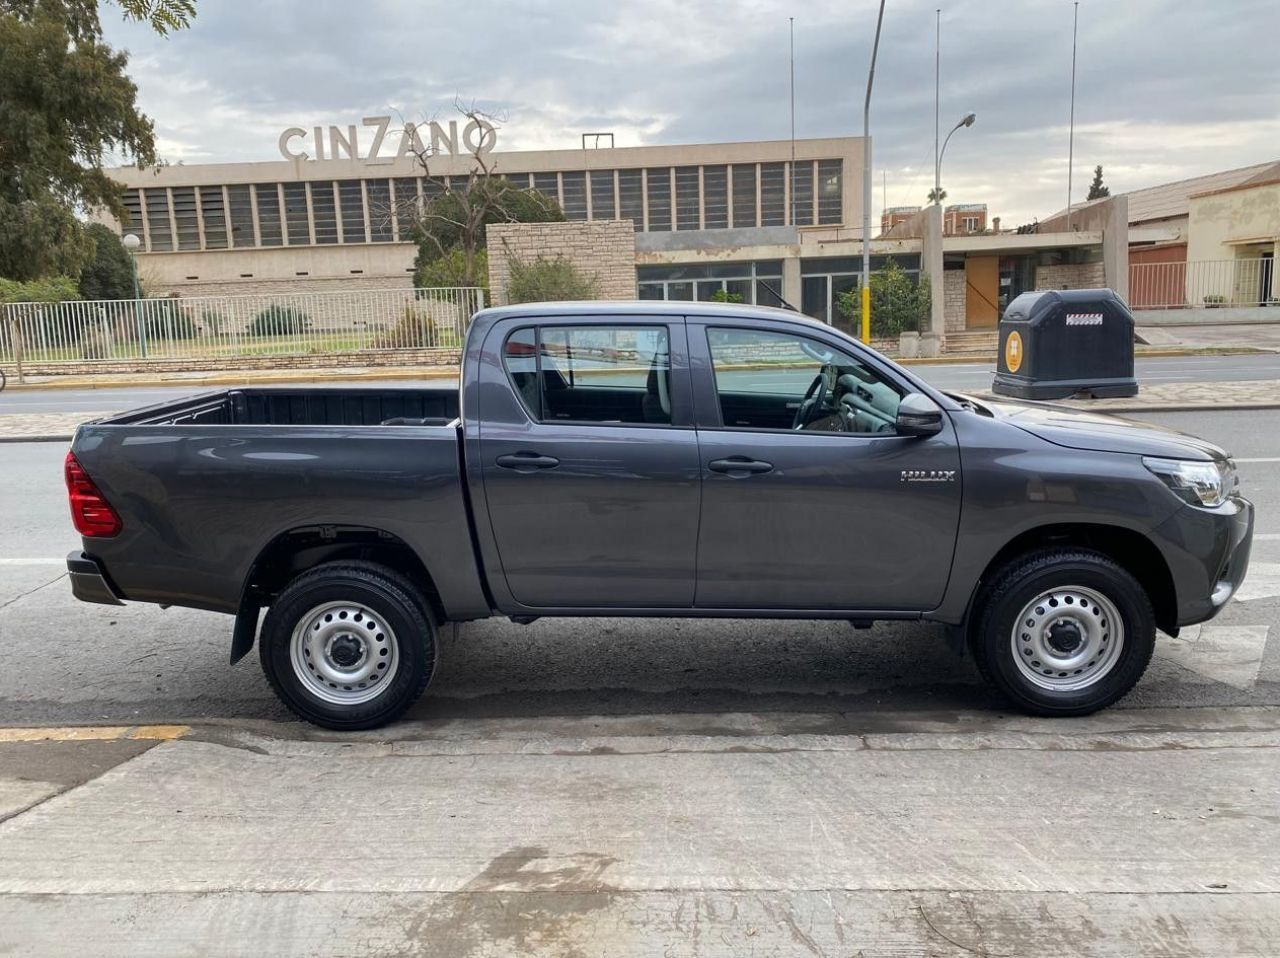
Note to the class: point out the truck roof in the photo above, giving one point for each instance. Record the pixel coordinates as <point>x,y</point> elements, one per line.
<point>645,307</point>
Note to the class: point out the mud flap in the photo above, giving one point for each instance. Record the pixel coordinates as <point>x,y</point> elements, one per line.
<point>246,627</point>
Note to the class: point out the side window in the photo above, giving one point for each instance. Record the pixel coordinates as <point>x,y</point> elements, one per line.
<point>789,382</point>
<point>604,374</point>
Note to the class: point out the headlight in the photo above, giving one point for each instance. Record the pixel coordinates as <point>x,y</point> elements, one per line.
<point>1198,483</point>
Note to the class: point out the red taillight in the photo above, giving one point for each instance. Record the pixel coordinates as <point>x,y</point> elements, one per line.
<point>90,511</point>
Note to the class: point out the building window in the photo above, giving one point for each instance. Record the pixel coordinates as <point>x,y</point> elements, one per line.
<point>752,281</point>
<point>659,186</point>
<point>295,214</point>
<point>379,210</point>
<point>715,197</point>
<point>744,195</point>
<point>269,230</point>
<point>133,212</point>
<point>969,223</point>
<point>823,279</point>
<point>241,208</point>
<point>631,197</point>
<point>157,200</point>
<point>602,195</point>
<point>773,201</point>
<point>323,212</point>
<point>214,212</point>
<point>830,192</point>
<point>802,194</point>
<point>687,198</point>
<point>548,184</point>
<point>184,216</point>
<point>575,195</point>
<point>351,199</point>
<point>404,191</point>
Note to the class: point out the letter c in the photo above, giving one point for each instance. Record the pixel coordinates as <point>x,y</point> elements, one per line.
<point>293,133</point>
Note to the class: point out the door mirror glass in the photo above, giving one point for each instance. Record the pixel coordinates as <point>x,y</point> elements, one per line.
<point>918,415</point>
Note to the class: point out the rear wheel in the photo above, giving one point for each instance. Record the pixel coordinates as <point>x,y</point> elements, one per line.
<point>1063,632</point>
<point>349,645</point>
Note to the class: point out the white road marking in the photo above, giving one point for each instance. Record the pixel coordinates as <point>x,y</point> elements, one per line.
<point>1231,654</point>
<point>1261,459</point>
<point>32,561</point>
<point>1261,582</point>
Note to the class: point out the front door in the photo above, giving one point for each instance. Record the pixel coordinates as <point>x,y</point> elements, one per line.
<point>590,462</point>
<point>981,292</point>
<point>810,499</point>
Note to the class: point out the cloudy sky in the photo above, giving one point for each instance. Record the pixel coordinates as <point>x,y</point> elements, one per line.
<point>1165,89</point>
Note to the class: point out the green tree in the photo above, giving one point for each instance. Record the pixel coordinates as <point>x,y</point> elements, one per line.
<point>109,273</point>
<point>898,303</point>
<point>544,280</point>
<point>724,296</point>
<point>66,105</point>
<point>451,270</point>
<point>1096,190</point>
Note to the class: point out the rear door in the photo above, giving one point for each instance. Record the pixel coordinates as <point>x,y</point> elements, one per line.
<point>810,499</point>
<point>590,461</point>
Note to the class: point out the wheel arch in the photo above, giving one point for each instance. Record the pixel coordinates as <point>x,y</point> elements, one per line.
<point>1130,549</point>
<point>293,551</point>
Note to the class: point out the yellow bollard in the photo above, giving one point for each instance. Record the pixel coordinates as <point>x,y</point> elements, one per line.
<point>866,314</point>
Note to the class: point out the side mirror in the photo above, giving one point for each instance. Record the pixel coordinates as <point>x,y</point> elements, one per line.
<point>918,415</point>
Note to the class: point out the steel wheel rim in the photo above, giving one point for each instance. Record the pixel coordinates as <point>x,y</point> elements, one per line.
<point>1067,638</point>
<point>344,653</point>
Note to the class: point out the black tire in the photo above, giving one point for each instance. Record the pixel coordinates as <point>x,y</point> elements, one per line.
<point>1007,594</point>
<point>411,628</point>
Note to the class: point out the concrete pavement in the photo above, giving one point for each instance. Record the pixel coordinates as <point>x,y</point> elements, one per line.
<point>958,835</point>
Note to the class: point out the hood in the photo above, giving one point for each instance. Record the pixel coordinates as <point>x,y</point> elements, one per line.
<point>1075,429</point>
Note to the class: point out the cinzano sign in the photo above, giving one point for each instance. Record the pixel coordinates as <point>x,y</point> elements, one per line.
<point>476,136</point>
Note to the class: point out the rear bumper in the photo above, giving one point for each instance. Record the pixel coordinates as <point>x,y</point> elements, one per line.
<point>89,583</point>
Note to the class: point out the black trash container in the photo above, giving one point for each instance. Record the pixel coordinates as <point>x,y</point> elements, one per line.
<point>1060,342</point>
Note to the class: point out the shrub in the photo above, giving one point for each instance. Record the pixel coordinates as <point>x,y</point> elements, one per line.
<point>416,327</point>
<point>165,319</point>
<point>451,270</point>
<point>898,304</point>
<point>724,296</point>
<point>277,320</point>
<point>52,289</point>
<point>545,280</point>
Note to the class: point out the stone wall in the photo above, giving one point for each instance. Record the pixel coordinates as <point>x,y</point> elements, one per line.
<point>286,286</point>
<point>605,249</point>
<point>953,300</point>
<point>1071,276</point>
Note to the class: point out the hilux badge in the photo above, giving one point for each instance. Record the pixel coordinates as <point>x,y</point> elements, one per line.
<point>928,475</point>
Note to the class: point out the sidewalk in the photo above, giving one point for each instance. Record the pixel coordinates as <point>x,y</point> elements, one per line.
<point>1132,832</point>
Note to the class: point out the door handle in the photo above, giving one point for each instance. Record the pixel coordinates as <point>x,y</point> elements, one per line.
<point>527,461</point>
<point>739,464</point>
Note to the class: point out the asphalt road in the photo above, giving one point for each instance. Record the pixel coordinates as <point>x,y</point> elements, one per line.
<point>958,376</point>
<point>74,663</point>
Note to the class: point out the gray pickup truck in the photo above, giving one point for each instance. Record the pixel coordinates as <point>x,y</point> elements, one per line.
<point>656,459</point>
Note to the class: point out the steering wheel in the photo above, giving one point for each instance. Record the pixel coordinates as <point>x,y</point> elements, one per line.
<point>814,397</point>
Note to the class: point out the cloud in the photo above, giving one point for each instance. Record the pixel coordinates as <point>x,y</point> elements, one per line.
<point>1165,89</point>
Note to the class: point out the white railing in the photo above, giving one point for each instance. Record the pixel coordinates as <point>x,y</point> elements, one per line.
<point>227,327</point>
<point>1227,282</point>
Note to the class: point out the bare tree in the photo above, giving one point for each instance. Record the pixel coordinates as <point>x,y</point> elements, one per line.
<point>451,216</point>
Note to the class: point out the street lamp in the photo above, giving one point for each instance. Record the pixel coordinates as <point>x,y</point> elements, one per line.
<point>966,120</point>
<point>132,243</point>
<point>865,293</point>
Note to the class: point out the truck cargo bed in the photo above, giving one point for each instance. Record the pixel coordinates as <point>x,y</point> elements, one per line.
<point>315,406</point>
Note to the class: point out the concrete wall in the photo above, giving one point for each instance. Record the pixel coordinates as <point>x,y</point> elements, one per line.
<point>605,249</point>
<point>1240,223</point>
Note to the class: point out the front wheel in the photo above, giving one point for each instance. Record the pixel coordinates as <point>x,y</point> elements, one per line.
<point>1063,632</point>
<point>349,645</point>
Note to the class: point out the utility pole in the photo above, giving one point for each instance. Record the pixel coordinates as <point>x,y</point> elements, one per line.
<point>791,191</point>
<point>866,186</point>
<point>937,88</point>
<point>1071,134</point>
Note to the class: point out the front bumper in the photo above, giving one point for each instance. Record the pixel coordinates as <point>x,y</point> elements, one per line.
<point>89,583</point>
<point>1209,557</point>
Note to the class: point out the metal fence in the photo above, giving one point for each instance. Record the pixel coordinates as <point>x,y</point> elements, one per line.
<point>229,327</point>
<point>1228,282</point>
